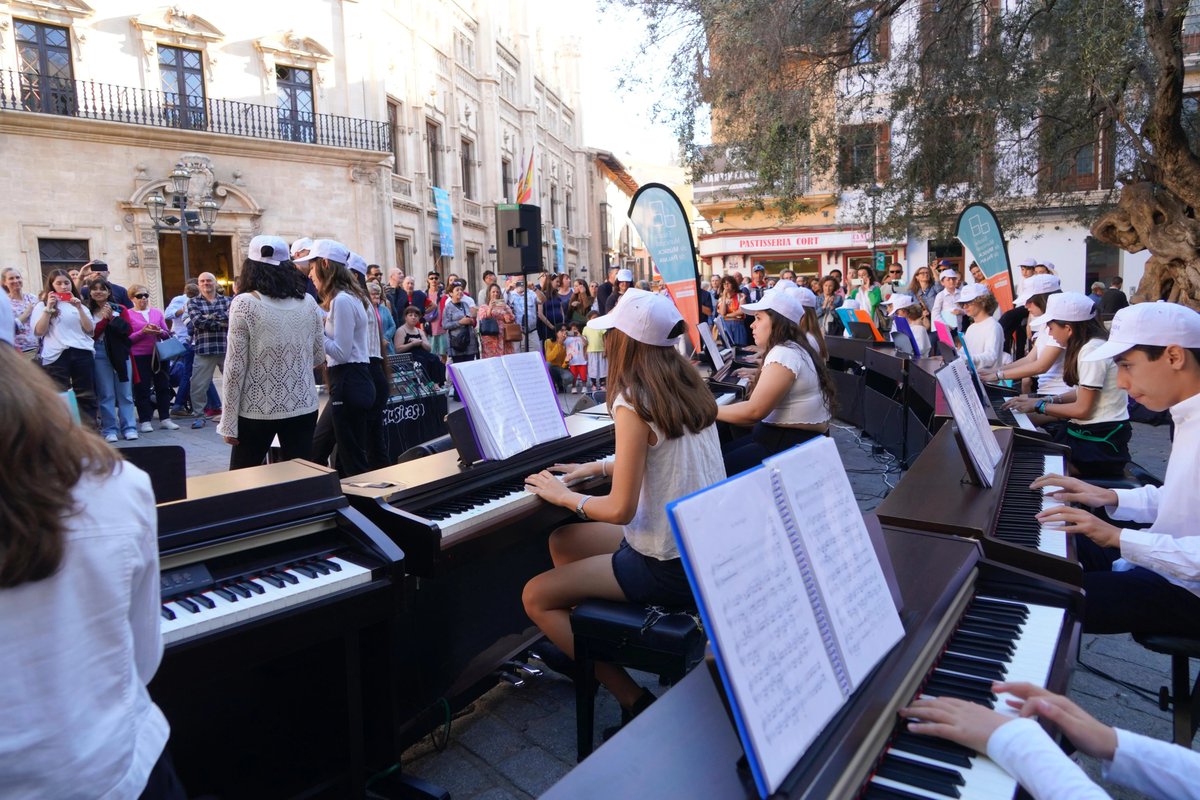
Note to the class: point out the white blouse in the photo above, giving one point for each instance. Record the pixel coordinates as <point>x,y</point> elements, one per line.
<point>66,330</point>
<point>803,402</point>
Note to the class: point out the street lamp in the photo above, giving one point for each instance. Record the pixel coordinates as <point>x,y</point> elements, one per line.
<point>873,191</point>
<point>179,179</point>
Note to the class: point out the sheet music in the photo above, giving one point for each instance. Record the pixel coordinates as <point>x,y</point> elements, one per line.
<point>493,407</point>
<point>713,351</point>
<point>538,400</point>
<point>955,381</point>
<point>770,649</point>
<point>853,587</point>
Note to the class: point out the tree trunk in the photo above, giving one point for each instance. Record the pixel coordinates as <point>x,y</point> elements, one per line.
<point>1150,217</point>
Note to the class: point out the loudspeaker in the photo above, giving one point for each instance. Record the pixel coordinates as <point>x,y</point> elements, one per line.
<point>518,239</point>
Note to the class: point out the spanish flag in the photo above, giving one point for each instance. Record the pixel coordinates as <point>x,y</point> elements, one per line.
<point>525,185</point>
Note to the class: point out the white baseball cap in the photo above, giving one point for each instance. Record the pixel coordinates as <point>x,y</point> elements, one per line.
<point>803,294</point>
<point>645,316</point>
<point>1069,307</point>
<point>947,273</point>
<point>357,263</point>
<point>1029,263</point>
<point>972,291</point>
<point>625,275</point>
<point>271,250</point>
<point>781,301</point>
<point>898,301</point>
<point>327,248</point>
<point>1037,284</point>
<point>301,244</point>
<point>785,283</point>
<point>1157,324</point>
<point>1037,323</point>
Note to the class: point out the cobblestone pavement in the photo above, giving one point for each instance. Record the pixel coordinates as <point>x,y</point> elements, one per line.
<point>517,742</point>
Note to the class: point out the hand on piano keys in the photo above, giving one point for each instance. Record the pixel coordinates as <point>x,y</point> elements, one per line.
<point>960,721</point>
<point>1078,520</point>
<point>1073,490</point>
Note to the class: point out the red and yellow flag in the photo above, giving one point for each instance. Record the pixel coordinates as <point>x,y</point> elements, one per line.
<point>525,185</point>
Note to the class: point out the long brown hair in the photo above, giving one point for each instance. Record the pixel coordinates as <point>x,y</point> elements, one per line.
<point>37,433</point>
<point>810,324</point>
<point>785,332</point>
<point>659,383</point>
<point>1081,334</point>
<point>55,273</point>
<point>336,277</point>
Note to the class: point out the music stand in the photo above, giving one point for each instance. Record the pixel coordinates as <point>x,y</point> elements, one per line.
<point>166,464</point>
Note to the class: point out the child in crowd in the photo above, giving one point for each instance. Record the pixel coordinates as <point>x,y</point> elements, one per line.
<point>556,358</point>
<point>411,338</point>
<point>907,306</point>
<point>597,363</point>
<point>577,358</point>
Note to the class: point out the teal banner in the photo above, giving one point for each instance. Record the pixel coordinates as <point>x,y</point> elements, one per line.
<point>560,262</point>
<point>445,218</point>
<point>658,216</point>
<point>979,231</point>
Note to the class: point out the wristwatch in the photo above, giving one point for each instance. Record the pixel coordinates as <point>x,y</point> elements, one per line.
<point>579,512</point>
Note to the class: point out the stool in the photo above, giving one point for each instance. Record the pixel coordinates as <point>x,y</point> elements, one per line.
<point>647,638</point>
<point>1183,694</point>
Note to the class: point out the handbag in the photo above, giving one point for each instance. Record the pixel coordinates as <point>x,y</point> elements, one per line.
<point>168,350</point>
<point>513,332</point>
<point>488,326</point>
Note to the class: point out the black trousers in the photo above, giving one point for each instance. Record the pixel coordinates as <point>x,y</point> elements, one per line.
<point>377,456</point>
<point>163,783</point>
<point>1012,322</point>
<point>351,396</point>
<point>159,381</point>
<point>1136,601</point>
<point>76,369</point>
<point>255,437</point>
<point>764,441</point>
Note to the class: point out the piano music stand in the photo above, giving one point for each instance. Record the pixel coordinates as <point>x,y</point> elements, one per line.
<point>166,464</point>
<point>459,424</point>
<point>971,477</point>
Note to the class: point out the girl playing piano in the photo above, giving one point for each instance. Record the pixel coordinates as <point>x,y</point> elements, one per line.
<point>666,447</point>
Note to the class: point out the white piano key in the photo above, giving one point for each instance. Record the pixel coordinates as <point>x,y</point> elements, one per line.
<point>518,500</point>
<point>726,399</point>
<point>1052,540</point>
<point>1023,420</point>
<point>984,778</point>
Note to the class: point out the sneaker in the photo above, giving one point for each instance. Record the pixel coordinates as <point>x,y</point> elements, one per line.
<point>131,434</point>
<point>146,427</point>
<point>168,425</point>
<point>198,423</point>
<point>212,413</point>
<point>110,438</point>
<point>180,412</point>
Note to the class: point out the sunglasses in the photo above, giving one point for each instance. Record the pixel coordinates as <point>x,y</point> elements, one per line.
<point>895,272</point>
<point>141,296</point>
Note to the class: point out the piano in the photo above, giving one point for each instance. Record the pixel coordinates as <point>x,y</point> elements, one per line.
<point>472,538</point>
<point>967,621</point>
<point>933,497</point>
<point>279,603</point>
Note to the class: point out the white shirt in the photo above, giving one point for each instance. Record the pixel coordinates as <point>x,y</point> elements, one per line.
<point>1051,381</point>
<point>346,331</point>
<point>65,330</point>
<point>921,334</point>
<point>675,468</point>
<point>943,306</point>
<point>1113,404</point>
<point>8,323</point>
<point>1155,768</point>
<point>803,402</point>
<point>985,343</point>
<point>1171,546</point>
<point>179,324</point>
<point>79,648</point>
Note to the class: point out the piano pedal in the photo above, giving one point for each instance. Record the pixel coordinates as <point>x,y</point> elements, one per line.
<point>510,677</point>
<point>522,667</point>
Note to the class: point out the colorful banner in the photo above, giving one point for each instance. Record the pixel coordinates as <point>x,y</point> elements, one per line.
<point>979,231</point>
<point>445,218</point>
<point>525,185</point>
<point>560,261</point>
<point>658,216</point>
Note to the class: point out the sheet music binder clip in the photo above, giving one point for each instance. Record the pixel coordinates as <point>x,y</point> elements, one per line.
<point>463,436</point>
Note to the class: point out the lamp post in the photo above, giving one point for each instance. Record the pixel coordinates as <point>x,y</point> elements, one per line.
<point>206,208</point>
<point>873,192</point>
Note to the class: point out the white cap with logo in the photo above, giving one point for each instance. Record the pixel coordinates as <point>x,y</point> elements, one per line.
<point>781,301</point>
<point>271,250</point>
<point>1156,324</point>
<point>898,301</point>
<point>972,291</point>
<point>1037,284</point>
<point>301,244</point>
<point>645,316</point>
<point>1069,307</point>
<point>328,249</point>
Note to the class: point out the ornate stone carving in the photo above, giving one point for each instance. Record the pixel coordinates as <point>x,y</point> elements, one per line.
<point>132,261</point>
<point>150,237</point>
<point>364,173</point>
<point>203,177</point>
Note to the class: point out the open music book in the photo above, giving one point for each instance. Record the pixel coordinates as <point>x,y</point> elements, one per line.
<point>792,594</point>
<point>511,403</point>
<point>982,450</point>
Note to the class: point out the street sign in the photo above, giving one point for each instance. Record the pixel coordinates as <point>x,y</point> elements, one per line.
<point>880,261</point>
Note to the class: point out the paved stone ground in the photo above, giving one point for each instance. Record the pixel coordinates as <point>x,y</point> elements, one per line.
<point>517,742</point>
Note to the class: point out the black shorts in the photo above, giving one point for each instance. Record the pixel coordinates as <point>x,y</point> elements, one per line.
<point>649,581</point>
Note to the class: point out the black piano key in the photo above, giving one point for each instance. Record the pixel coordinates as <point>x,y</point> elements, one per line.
<point>167,613</point>
<point>968,648</point>
<point>184,602</point>
<point>286,576</point>
<point>993,670</point>
<point>1000,646</point>
<point>274,580</point>
<point>252,586</point>
<point>937,749</point>
<point>319,566</point>
<point>333,565</point>
<point>204,601</point>
<point>961,694</point>
<point>238,589</point>
<point>925,776</point>
<point>226,594</point>
<point>999,630</point>
<point>305,570</point>
<point>876,792</point>
<point>964,681</point>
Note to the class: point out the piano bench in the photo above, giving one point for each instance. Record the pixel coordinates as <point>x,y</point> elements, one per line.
<point>667,643</point>
<point>1183,694</point>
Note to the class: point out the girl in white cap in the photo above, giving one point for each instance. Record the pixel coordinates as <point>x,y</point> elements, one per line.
<point>667,447</point>
<point>1045,360</point>
<point>985,337</point>
<point>907,306</point>
<point>1096,410</point>
<point>791,394</point>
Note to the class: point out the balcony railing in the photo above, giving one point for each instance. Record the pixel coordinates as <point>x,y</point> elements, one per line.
<point>25,91</point>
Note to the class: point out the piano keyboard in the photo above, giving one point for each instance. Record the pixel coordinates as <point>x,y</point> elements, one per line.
<point>1016,523</point>
<point>229,602</point>
<point>995,640</point>
<point>1011,418</point>
<point>484,504</point>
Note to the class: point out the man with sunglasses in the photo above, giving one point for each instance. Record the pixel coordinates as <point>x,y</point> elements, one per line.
<point>893,279</point>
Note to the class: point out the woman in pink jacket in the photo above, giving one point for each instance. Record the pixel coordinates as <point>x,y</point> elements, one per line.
<point>148,327</point>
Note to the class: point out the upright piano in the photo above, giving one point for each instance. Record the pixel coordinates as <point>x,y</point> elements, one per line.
<point>472,538</point>
<point>967,621</point>
<point>279,603</point>
<point>935,496</point>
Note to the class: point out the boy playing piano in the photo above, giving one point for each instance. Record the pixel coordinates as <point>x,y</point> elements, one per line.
<point>1144,581</point>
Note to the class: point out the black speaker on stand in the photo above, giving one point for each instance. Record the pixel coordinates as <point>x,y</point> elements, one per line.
<point>519,246</point>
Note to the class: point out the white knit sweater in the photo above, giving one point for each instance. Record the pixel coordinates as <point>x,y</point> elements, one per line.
<point>273,345</point>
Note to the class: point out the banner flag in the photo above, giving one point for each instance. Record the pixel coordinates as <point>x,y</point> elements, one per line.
<point>560,261</point>
<point>445,218</point>
<point>659,218</point>
<point>979,231</point>
<point>525,185</point>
